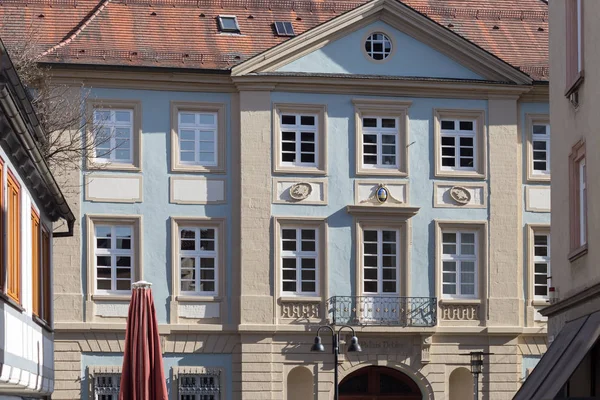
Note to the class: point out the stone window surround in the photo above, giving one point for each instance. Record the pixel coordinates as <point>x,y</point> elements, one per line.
<point>137,272</point>
<point>382,108</point>
<point>532,230</point>
<point>399,222</point>
<point>136,144</point>
<point>478,116</point>
<point>220,109</point>
<point>94,370</point>
<point>578,153</point>
<point>209,222</point>
<point>180,370</point>
<point>530,120</point>
<point>320,224</point>
<point>482,257</point>
<point>321,141</point>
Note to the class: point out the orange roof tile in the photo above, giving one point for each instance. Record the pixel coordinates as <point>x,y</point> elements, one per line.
<point>184,33</point>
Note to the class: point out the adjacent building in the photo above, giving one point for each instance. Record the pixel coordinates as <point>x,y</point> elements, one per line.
<point>570,368</point>
<point>275,166</point>
<point>30,202</point>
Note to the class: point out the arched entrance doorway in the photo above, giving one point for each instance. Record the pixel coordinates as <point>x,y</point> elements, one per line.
<point>376,383</point>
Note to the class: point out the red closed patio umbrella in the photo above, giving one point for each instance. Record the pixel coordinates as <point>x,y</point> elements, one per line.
<point>143,376</point>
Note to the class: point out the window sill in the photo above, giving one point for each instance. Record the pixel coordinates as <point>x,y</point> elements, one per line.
<point>381,172</point>
<point>111,297</point>
<point>459,174</point>
<point>42,323</point>
<point>538,178</point>
<point>578,253</point>
<point>290,170</point>
<point>461,301</point>
<point>189,298</point>
<point>112,166</point>
<point>300,299</point>
<point>183,168</point>
<point>575,86</point>
<point>9,300</point>
<point>540,303</point>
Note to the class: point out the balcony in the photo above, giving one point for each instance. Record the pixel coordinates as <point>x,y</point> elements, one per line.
<point>383,310</point>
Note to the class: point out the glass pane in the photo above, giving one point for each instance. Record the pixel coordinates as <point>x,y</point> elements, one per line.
<point>308,287</point>
<point>207,119</point>
<point>541,290</point>
<point>388,123</point>
<point>449,289</point>
<point>307,136</point>
<point>103,261</point>
<point>188,234</point>
<point>207,147</point>
<point>370,236</point>
<point>123,231</point>
<point>541,251</point>
<point>101,115</point>
<point>449,249</point>
<point>188,286</point>
<point>449,278</point>
<point>123,261</point>
<point>389,248</point>
<point>449,125</point>
<point>447,141</point>
<point>187,118</point>
<point>289,274</point>
<point>288,119</point>
<point>288,233</point>
<point>103,273</point>
<point>207,233</point>
<point>369,122</point>
<point>539,129</point>
<point>207,286</point>
<point>466,162</point>
<point>124,284</point>
<point>309,263</point>
<point>466,125</point>
<point>207,274</point>
<point>467,266</point>
<point>308,275</point>
<point>187,156</point>
<point>389,261</point>
<point>207,136</point>
<point>289,286</point>
<point>370,273</point>
<point>468,237</point>
<point>370,261</point>
<point>389,287</point>
<point>188,262</point>
<point>370,248</point>
<point>466,142</point>
<point>541,279</point>
<point>539,145</point>
<point>388,139</point>
<point>289,263</point>
<point>389,236</point>
<point>104,285</point>
<point>467,277</point>
<point>228,23</point>
<point>541,268</point>
<point>123,273</point>
<point>449,266</point>
<point>187,134</point>
<point>207,263</point>
<point>307,120</point>
<point>370,287</point>
<point>308,245</point>
<point>206,157</point>
<point>123,116</point>
<point>467,289</point>
<point>449,237</point>
<point>389,273</point>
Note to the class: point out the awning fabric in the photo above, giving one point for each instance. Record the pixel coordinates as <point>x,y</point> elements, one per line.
<point>565,353</point>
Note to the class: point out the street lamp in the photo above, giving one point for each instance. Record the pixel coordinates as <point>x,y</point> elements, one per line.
<point>476,369</point>
<point>335,338</point>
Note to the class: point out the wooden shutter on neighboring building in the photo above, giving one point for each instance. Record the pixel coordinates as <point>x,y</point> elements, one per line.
<point>13,285</point>
<point>35,264</point>
<point>46,275</point>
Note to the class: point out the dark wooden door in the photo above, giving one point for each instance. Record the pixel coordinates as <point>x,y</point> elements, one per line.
<point>379,383</point>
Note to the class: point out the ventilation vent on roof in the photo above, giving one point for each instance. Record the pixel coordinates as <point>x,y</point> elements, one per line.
<point>228,23</point>
<point>284,29</point>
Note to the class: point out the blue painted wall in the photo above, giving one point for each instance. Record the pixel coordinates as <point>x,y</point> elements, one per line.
<point>156,209</point>
<point>410,58</point>
<point>341,177</point>
<point>170,360</point>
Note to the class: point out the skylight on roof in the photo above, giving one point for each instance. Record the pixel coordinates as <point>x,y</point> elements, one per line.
<point>228,23</point>
<point>284,29</point>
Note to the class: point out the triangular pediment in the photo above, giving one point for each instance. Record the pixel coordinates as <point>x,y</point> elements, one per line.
<point>420,48</point>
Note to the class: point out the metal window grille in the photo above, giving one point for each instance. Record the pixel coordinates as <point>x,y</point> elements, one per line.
<point>106,386</point>
<point>205,386</point>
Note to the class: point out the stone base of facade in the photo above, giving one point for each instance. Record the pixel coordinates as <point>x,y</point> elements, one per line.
<point>273,366</point>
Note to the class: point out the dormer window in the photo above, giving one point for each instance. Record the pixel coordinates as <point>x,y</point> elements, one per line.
<point>284,29</point>
<point>228,23</point>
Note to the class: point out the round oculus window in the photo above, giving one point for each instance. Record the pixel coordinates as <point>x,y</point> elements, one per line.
<point>378,46</point>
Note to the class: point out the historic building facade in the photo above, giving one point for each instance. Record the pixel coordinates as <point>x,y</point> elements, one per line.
<point>30,202</point>
<point>381,165</point>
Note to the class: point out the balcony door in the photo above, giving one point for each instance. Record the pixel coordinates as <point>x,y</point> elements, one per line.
<point>379,383</point>
<point>380,302</point>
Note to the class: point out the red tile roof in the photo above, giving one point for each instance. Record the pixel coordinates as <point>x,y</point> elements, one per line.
<point>184,33</point>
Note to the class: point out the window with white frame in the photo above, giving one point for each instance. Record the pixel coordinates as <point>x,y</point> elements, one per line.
<point>459,264</point>
<point>380,142</point>
<point>205,386</point>
<point>198,258</point>
<point>540,143</point>
<point>114,257</point>
<point>458,144</point>
<point>106,386</point>
<point>381,261</point>
<point>114,135</point>
<point>299,139</point>
<point>541,264</point>
<point>197,133</point>
<point>299,260</point>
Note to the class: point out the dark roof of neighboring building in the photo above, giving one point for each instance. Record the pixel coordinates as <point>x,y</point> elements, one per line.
<point>184,33</point>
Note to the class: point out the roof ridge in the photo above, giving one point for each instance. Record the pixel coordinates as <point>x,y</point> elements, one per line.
<point>309,5</point>
<point>79,28</point>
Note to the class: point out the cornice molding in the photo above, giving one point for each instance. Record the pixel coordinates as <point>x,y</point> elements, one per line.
<point>374,211</point>
<point>572,301</point>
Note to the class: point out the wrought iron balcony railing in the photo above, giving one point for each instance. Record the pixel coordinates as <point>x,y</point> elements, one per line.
<point>383,310</point>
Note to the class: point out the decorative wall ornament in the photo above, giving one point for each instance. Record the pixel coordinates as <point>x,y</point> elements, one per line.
<point>425,347</point>
<point>300,191</point>
<point>380,195</point>
<point>296,310</point>
<point>460,312</point>
<point>460,195</point>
